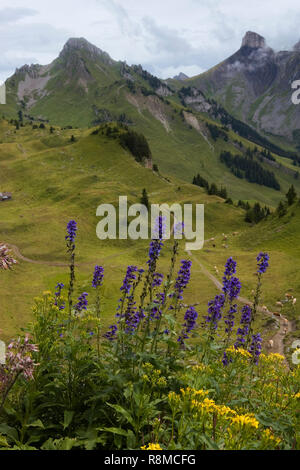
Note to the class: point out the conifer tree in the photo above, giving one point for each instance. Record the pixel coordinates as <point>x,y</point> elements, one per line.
<point>291,195</point>
<point>144,199</point>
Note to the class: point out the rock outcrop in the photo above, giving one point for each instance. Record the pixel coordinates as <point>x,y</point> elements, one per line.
<point>253,40</point>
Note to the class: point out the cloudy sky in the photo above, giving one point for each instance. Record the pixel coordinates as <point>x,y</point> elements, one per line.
<point>165,36</point>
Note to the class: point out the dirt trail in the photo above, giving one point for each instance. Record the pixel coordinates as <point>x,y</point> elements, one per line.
<point>285,324</point>
<point>59,264</point>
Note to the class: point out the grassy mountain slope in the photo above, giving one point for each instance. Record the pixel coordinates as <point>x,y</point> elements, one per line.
<point>54,180</point>
<point>84,86</point>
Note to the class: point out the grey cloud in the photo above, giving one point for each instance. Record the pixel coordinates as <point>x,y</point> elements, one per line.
<point>10,15</point>
<point>127,26</point>
<point>24,42</point>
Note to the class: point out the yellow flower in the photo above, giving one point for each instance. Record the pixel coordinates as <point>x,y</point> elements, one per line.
<point>152,447</point>
<point>245,421</point>
<point>192,392</point>
<point>240,351</point>
<point>269,436</point>
<point>174,398</point>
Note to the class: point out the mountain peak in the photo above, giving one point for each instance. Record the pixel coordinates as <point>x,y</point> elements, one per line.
<point>181,77</point>
<point>253,40</point>
<point>297,47</point>
<point>82,45</point>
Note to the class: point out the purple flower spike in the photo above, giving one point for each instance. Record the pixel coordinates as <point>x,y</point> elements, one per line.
<point>243,330</point>
<point>157,280</point>
<point>255,347</point>
<point>230,267</point>
<point>226,360</point>
<point>129,278</point>
<point>111,334</point>
<point>189,324</point>
<point>98,276</point>
<point>183,277</point>
<point>262,262</point>
<point>157,242</point>
<point>231,287</point>
<point>57,294</point>
<point>215,311</point>
<point>82,302</point>
<point>71,229</point>
<point>229,318</point>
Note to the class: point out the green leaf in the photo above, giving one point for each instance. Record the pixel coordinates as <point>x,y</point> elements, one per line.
<point>36,424</point>
<point>3,442</point>
<point>68,417</point>
<point>123,412</point>
<point>9,431</point>
<point>119,431</point>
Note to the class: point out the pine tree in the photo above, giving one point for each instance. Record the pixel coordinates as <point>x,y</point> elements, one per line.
<point>291,195</point>
<point>281,209</point>
<point>144,199</point>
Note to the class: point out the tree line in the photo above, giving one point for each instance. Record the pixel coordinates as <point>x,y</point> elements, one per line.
<point>249,169</point>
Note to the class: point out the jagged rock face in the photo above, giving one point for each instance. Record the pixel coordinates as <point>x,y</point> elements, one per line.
<point>80,45</point>
<point>297,46</point>
<point>163,91</point>
<point>196,100</point>
<point>33,70</point>
<point>254,85</point>
<point>253,40</point>
<point>181,77</point>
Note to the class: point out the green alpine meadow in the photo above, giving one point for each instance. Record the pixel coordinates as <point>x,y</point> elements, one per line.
<point>149,232</point>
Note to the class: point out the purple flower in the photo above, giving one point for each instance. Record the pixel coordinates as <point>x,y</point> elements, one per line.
<point>57,294</point>
<point>82,302</point>
<point>155,312</point>
<point>262,262</point>
<point>157,280</point>
<point>231,287</point>
<point>111,334</point>
<point>255,347</point>
<point>71,229</point>
<point>243,331</point>
<point>156,244</point>
<point>230,267</point>
<point>189,324</point>
<point>98,277</point>
<point>215,311</point>
<point>183,278</point>
<point>226,360</point>
<point>229,318</point>
<point>129,278</point>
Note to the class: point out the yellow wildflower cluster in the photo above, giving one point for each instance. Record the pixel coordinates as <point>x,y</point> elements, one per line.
<point>193,393</point>
<point>153,376</point>
<point>152,447</point>
<point>272,358</point>
<point>247,420</point>
<point>239,352</point>
<point>269,437</point>
<point>209,406</point>
<point>174,399</point>
<point>201,368</point>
